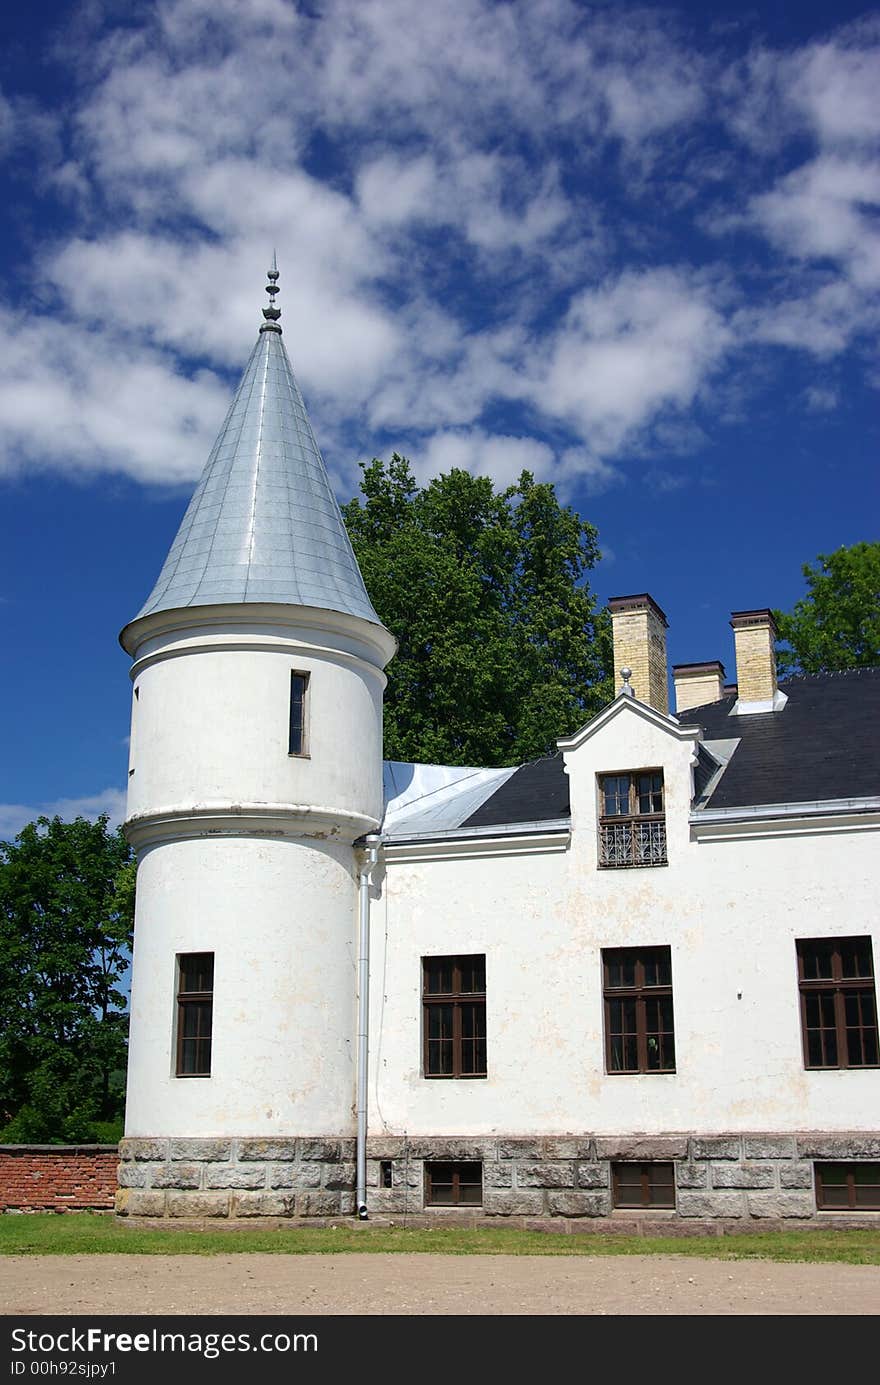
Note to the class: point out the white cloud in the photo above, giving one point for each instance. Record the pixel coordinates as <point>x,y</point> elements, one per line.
<point>15,816</point>
<point>827,210</point>
<point>821,398</point>
<point>628,352</point>
<point>835,85</point>
<point>86,401</point>
<point>435,182</point>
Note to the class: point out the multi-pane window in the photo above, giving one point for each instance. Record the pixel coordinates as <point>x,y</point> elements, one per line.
<point>639,1030</point>
<point>454,1016</point>
<point>848,1187</point>
<point>632,824</point>
<point>643,1185</point>
<point>453,1184</point>
<point>299,686</point>
<point>838,1002</point>
<point>195,1005</point>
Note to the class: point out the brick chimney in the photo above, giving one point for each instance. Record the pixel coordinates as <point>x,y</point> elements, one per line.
<point>754,636</point>
<point>697,684</point>
<point>639,628</point>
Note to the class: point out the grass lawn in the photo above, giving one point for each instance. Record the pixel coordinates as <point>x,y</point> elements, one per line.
<point>88,1234</point>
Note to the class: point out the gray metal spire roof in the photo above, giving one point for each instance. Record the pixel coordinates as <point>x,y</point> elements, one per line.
<point>263,523</point>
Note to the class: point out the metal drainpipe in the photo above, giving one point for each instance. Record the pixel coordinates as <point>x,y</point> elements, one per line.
<point>371,857</point>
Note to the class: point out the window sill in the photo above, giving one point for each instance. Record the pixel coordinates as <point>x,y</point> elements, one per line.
<point>846,1067</point>
<point>451,1077</point>
<point>643,1211</point>
<point>642,1072</point>
<point>631,865</point>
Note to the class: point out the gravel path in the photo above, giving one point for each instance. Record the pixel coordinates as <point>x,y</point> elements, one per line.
<point>472,1285</point>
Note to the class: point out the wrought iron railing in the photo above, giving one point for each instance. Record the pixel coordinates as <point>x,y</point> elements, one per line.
<point>633,842</point>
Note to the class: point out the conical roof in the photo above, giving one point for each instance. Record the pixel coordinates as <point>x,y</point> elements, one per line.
<point>263,524</point>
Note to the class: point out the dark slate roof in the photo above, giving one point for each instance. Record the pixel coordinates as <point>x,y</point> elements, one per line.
<point>535,793</point>
<point>824,744</point>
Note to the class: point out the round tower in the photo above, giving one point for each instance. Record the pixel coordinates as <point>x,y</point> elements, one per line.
<point>256,762</point>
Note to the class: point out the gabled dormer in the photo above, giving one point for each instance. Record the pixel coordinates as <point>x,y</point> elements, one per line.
<point>631,783</point>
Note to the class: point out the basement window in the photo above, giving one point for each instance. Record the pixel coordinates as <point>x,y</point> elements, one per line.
<point>632,821</point>
<point>848,1187</point>
<point>195,1013</point>
<point>298,731</point>
<point>458,1184</point>
<point>643,1185</point>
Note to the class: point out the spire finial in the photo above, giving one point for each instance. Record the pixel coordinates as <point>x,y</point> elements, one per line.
<point>626,675</point>
<point>272,314</point>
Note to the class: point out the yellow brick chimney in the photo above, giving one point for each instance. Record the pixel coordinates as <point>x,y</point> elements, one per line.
<point>698,684</point>
<point>754,636</point>
<point>639,628</point>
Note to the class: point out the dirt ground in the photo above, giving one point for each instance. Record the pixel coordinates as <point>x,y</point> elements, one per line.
<point>471,1285</point>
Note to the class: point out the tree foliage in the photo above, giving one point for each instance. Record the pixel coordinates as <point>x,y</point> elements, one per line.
<point>501,646</point>
<point>66,913</point>
<point>837,624</point>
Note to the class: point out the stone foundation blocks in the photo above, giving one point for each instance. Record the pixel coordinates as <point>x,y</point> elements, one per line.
<point>780,1205</point>
<point>198,1205</point>
<point>579,1204</point>
<point>233,1176</point>
<point>593,1175</point>
<point>721,1204</point>
<point>143,1149</point>
<point>743,1176</point>
<point>642,1148</point>
<point>266,1149</point>
<point>176,1176</point>
<point>205,1150</point>
<point>545,1175</point>
<point>519,1204</point>
<point>796,1176</point>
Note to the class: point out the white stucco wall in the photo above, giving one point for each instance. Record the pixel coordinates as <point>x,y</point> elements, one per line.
<point>245,851</point>
<point>210,720</point>
<point>729,910</point>
<point>279,917</point>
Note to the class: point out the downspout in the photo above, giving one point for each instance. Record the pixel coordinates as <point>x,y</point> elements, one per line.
<point>371,858</point>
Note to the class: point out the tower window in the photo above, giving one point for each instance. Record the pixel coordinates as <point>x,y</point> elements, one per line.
<point>299,687</point>
<point>195,1013</point>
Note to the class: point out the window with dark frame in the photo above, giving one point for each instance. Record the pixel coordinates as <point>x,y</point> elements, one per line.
<point>632,820</point>
<point>299,687</point>
<point>643,1185</point>
<point>453,1184</point>
<point>195,1007</point>
<point>454,1016</point>
<point>838,1002</point>
<point>847,1187</point>
<point>639,1027</point>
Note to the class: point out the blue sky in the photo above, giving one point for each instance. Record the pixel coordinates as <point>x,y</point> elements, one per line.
<point>634,249</point>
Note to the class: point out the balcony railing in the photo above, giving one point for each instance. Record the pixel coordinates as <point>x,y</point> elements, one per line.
<point>632,842</point>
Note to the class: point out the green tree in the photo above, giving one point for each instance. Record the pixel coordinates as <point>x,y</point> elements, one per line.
<point>66,912</point>
<point>837,624</point>
<point>501,646</point>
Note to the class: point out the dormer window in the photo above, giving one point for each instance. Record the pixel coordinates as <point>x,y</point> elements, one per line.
<point>632,823</point>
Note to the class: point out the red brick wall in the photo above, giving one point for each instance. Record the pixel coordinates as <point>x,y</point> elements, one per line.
<point>57,1178</point>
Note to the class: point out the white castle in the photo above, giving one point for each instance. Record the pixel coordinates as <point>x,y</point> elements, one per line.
<point>633,978</point>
